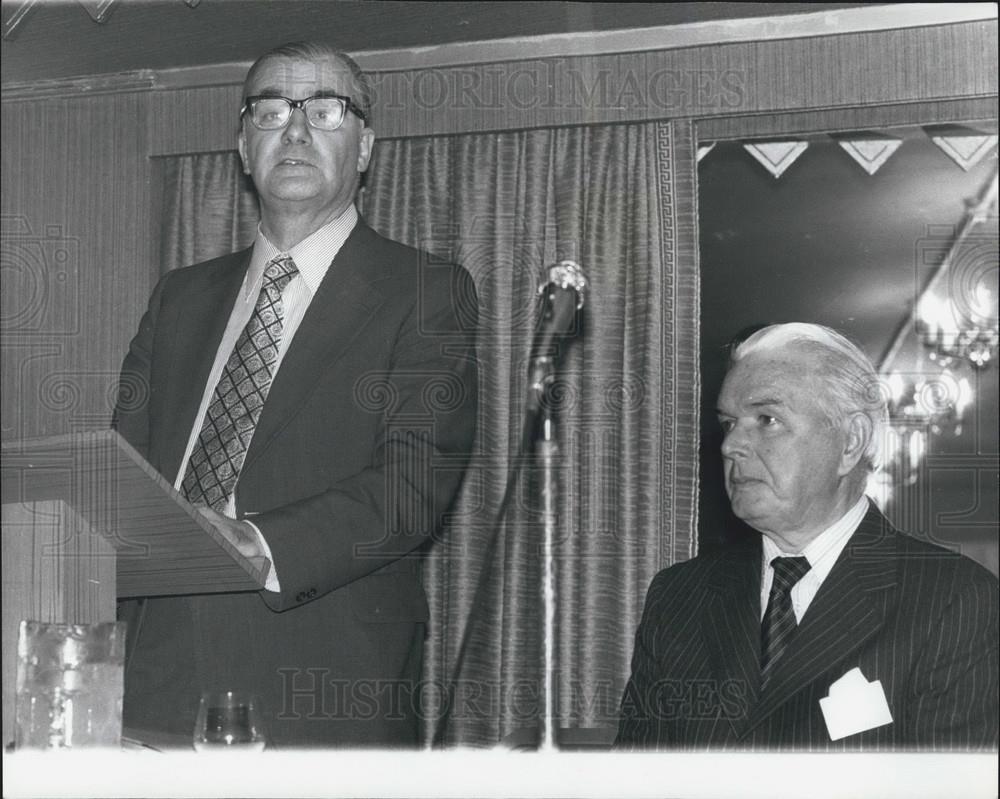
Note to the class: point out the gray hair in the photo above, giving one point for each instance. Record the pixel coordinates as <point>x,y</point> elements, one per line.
<point>361,92</point>
<point>851,380</point>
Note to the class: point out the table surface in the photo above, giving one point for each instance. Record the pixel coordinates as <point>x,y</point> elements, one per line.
<point>495,773</point>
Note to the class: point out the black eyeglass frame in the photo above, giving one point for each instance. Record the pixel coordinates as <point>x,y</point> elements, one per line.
<point>349,104</point>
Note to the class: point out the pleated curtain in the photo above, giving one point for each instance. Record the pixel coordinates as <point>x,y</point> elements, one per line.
<point>506,206</point>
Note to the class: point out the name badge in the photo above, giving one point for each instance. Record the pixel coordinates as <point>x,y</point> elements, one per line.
<point>854,705</point>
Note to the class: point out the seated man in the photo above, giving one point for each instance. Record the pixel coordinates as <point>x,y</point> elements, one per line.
<point>831,630</point>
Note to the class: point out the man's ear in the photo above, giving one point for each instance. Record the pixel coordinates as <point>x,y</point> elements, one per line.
<point>365,145</point>
<point>859,432</point>
<point>241,145</point>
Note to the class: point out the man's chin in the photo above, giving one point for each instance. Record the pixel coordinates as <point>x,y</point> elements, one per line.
<point>294,191</point>
<point>294,183</point>
<point>748,509</point>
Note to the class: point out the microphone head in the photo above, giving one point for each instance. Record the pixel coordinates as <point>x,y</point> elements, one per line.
<point>567,275</point>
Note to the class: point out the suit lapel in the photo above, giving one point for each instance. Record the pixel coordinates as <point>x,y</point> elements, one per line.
<point>733,629</point>
<point>344,303</point>
<point>198,328</point>
<point>848,610</point>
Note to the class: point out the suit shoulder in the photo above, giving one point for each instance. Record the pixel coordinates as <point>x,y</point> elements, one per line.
<point>208,268</point>
<point>921,558</point>
<point>685,569</point>
<point>402,260</point>
<point>701,570</point>
<point>443,291</point>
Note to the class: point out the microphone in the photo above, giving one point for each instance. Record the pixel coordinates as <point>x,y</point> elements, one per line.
<point>563,296</point>
<point>564,293</point>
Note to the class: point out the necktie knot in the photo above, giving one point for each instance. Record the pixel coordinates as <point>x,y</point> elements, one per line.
<point>788,571</point>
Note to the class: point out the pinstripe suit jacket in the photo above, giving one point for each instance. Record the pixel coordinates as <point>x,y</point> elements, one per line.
<point>915,616</point>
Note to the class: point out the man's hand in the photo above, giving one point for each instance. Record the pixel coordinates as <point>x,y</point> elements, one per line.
<point>240,534</point>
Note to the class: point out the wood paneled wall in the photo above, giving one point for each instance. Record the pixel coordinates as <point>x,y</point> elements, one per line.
<point>747,78</point>
<point>78,249</point>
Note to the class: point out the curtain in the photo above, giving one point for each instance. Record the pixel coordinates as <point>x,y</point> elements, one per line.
<point>506,206</point>
<point>209,208</point>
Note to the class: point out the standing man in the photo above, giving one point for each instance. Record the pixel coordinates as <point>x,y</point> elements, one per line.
<point>831,630</point>
<point>315,397</point>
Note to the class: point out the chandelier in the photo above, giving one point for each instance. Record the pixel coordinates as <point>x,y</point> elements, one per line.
<point>952,336</point>
<point>920,406</point>
<point>936,402</point>
<point>957,314</point>
<point>953,330</point>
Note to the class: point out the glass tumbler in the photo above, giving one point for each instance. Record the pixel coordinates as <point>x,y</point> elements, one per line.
<point>229,721</point>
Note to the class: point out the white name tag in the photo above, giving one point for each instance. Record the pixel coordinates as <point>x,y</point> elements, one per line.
<point>854,705</point>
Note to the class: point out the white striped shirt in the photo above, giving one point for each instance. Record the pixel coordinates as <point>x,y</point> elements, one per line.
<point>822,552</point>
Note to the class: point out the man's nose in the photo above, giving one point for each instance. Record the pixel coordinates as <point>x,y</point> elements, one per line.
<point>297,128</point>
<point>735,443</point>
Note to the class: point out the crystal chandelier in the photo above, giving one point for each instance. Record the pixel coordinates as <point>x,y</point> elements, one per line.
<point>951,335</point>
<point>937,402</point>
<point>933,404</point>
<point>954,329</point>
<point>957,314</point>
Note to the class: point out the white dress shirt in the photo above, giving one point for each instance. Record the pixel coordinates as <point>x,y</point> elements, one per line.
<point>822,552</point>
<point>312,257</point>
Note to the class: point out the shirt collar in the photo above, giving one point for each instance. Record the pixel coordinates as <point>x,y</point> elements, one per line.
<point>312,255</point>
<point>822,552</point>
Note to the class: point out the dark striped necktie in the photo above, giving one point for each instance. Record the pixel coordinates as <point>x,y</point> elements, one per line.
<point>779,622</point>
<point>232,414</point>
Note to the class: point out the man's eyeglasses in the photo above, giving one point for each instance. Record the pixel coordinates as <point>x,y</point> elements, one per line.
<point>323,111</point>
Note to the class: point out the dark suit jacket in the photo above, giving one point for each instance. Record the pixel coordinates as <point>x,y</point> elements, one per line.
<point>915,616</point>
<point>359,449</point>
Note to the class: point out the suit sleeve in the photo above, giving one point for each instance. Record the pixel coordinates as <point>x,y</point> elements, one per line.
<point>131,414</point>
<point>131,420</point>
<point>638,725</point>
<point>954,690</point>
<point>377,516</point>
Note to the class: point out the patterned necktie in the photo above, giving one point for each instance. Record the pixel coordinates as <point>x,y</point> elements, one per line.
<point>232,414</point>
<point>779,619</point>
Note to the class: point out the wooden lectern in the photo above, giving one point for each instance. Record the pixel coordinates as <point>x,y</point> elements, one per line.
<point>87,520</point>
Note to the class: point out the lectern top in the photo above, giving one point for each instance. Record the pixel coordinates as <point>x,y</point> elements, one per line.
<point>163,545</point>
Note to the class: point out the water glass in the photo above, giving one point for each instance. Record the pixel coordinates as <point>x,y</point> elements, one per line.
<point>229,721</point>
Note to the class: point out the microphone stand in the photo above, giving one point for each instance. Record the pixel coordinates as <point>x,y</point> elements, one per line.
<point>547,452</point>
<point>564,277</point>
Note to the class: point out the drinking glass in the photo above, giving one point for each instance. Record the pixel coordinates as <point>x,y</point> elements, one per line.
<point>229,721</point>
